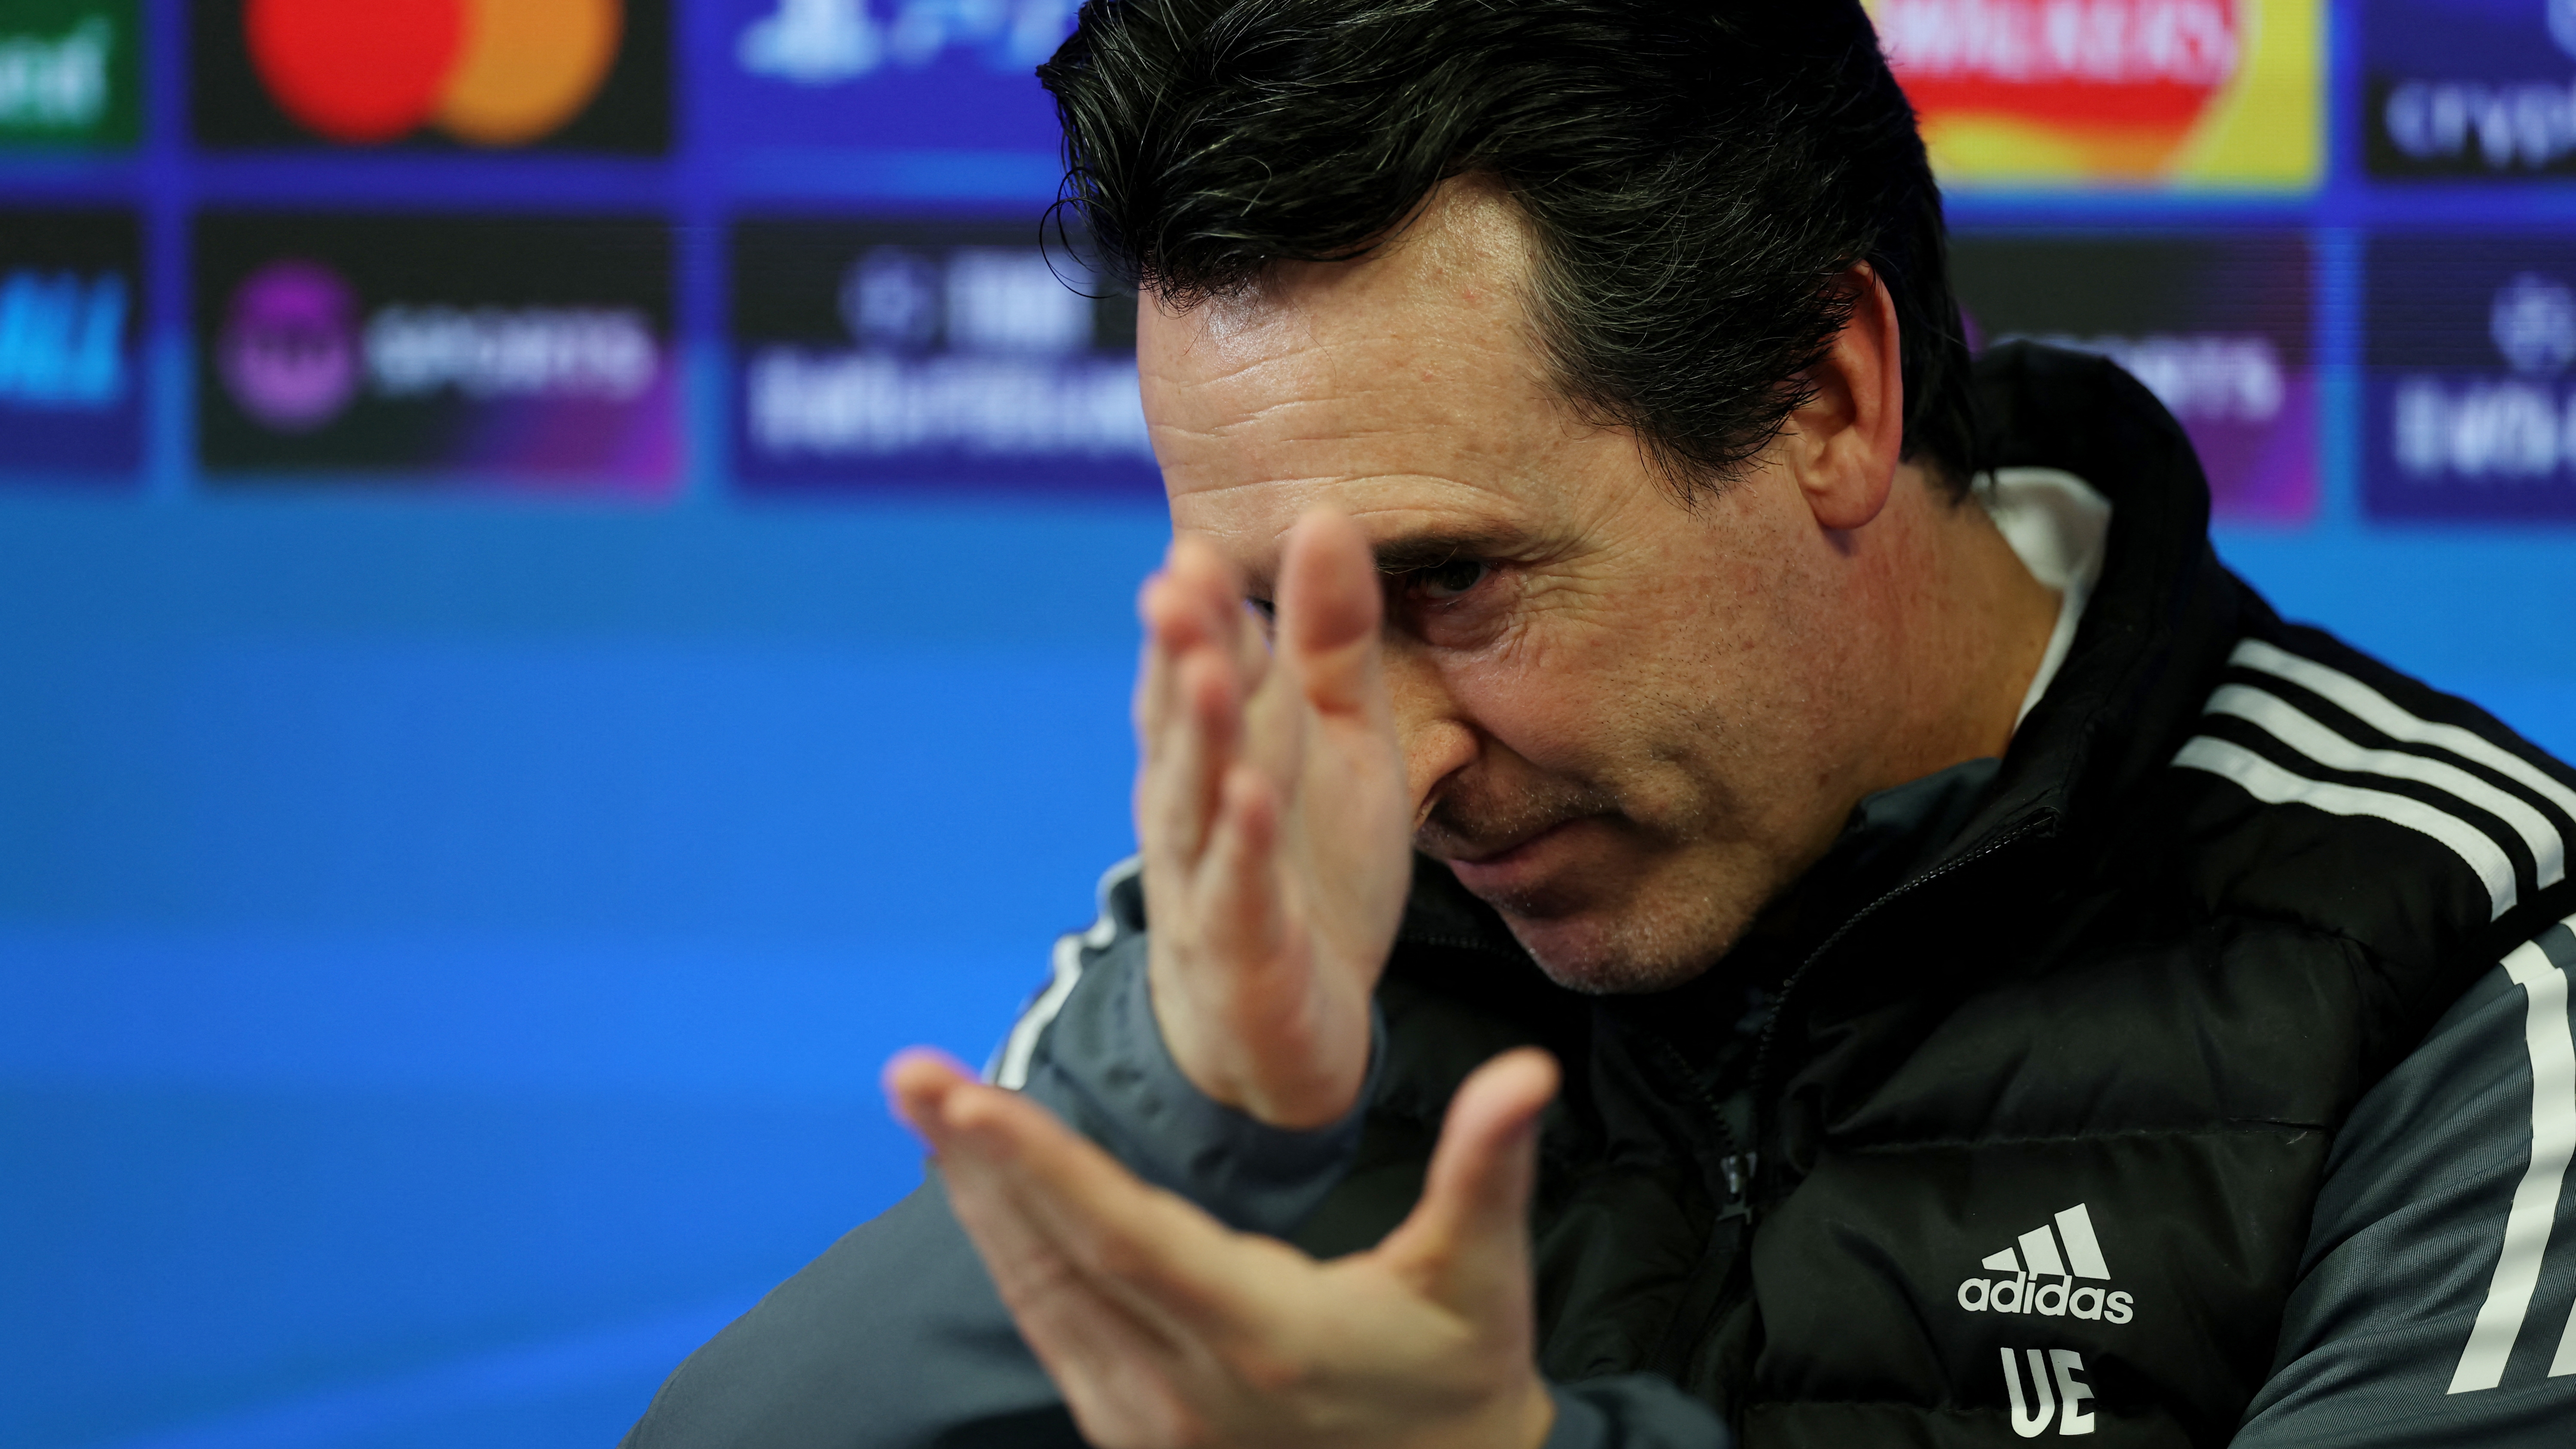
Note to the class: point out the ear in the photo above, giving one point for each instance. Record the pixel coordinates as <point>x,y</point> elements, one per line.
<point>1844,445</point>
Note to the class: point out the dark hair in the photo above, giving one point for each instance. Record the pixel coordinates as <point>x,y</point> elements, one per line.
<point>1695,175</point>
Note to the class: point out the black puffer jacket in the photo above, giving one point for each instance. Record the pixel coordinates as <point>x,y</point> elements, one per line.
<point>2009,1122</point>
<point>2127,982</point>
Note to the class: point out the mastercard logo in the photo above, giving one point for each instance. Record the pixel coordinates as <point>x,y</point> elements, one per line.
<point>487,72</point>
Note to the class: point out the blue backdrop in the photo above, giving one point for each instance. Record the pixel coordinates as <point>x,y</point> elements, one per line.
<point>450,924</point>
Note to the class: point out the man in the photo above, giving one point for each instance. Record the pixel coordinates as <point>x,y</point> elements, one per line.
<point>1995,980</point>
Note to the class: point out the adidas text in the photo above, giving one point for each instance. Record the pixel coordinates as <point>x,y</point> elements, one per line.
<point>2050,1298</point>
<point>2038,1275</point>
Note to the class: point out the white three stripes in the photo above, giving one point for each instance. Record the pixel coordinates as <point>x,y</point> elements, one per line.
<point>2273,785</point>
<point>2293,727</point>
<point>1010,1066</point>
<point>2535,1198</point>
<point>2377,711</point>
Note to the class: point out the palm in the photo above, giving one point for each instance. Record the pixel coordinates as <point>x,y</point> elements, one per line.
<point>1274,817</point>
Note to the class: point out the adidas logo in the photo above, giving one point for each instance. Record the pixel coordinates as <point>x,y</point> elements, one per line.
<point>2063,1252</point>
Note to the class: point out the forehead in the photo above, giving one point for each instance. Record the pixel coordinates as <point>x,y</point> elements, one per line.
<point>1403,387</point>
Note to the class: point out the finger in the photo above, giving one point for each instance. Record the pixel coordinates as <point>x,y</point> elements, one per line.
<point>1239,884</point>
<point>1467,1240</point>
<point>1094,1342</point>
<point>1195,722</point>
<point>1119,1373</point>
<point>1118,1377</point>
<point>985,1139</point>
<point>1225,611</point>
<point>1157,681</point>
<point>1331,608</point>
<point>1153,667</point>
<point>1207,582</point>
<point>1155,1254</point>
<point>1184,605</point>
<point>1251,919</point>
<point>1203,743</point>
<point>1125,1377</point>
<point>1171,605</point>
<point>1274,726</point>
<point>918,1083</point>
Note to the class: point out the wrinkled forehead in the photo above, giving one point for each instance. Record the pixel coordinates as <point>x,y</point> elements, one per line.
<point>1404,388</point>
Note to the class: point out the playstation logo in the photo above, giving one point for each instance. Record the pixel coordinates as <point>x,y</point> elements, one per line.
<point>814,42</point>
<point>826,42</point>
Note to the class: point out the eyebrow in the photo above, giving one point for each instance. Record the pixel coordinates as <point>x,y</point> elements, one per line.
<point>1415,552</point>
<point>1430,550</point>
<point>1436,548</point>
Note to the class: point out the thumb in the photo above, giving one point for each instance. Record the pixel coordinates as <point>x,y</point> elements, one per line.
<point>1467,1241</point>
<point>1330,607</point>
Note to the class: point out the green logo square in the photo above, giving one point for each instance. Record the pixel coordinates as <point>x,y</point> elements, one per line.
<point>71,72</point>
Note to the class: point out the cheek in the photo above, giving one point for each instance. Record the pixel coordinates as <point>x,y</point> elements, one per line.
<point>1580,694</point>
<point>1638,649</point>
<point>1682,700</point>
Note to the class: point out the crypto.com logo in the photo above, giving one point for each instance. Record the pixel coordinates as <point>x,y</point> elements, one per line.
<point>2505,123</point>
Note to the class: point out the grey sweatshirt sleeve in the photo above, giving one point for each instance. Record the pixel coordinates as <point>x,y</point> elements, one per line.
<point>2435,1298</point>
<point>895,1336</point>
<point>1102,1066</point>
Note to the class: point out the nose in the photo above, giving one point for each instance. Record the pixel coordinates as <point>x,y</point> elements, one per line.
<point>1431,725</point>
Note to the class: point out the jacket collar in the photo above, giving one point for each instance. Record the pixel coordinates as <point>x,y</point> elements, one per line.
<point>2157,630</point>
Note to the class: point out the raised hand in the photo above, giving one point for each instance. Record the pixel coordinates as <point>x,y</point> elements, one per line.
<point>1273,814</point>
<point>1164,1328</point>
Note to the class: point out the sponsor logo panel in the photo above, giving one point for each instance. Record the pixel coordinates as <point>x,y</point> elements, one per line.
<point>926,352</point>
<point>2218,327</point>
<point>885,74</point>
<point>2188,93</point>
<point>70,327</point>
<point>484,348</point>
<point>71,72</point>
<point>2469,88</point>
<point>485,74</point>
<point>2471,401</point>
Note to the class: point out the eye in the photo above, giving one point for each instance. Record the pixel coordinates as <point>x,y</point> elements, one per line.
<point>1450,580</point>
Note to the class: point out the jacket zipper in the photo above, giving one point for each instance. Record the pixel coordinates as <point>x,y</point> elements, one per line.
<point>1789,986</point>
<point>1734,1164</point>
<point>1740,1168</point>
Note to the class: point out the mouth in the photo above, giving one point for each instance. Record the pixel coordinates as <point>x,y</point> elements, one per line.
<point>1515,869</point>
